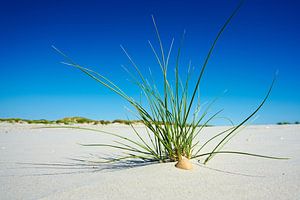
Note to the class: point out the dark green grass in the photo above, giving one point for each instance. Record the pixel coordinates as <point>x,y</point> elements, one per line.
<point>287,123</point>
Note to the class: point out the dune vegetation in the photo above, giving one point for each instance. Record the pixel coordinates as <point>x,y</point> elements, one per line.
<point>69,121</point>
<point>171,112</point>
<point>286,123</point>
<point>27,121</point>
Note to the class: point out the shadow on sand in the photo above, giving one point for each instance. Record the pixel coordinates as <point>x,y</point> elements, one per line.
<point>76,166</point>
<point>87,165</point>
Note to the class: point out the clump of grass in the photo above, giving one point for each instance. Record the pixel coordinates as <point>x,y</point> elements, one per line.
<point>11,120</point>
<point>19,120</point>
<point>172,117</point>
<point>287,123</point>
<point>74,120</point>
<point>40,121</point>
<point>283,123</point>
<point>102,122</point>
<point>127,122</point>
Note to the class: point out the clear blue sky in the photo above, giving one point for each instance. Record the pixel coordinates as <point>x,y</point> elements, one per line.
<point>262,38</point>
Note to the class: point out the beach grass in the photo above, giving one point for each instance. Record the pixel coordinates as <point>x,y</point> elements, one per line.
<point>171,113</point>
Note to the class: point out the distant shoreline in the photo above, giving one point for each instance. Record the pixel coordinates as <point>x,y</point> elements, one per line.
<point>69,120</point>
<point>83,120</point>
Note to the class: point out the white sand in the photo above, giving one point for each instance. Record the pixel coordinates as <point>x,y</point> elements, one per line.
<point>225,177</point>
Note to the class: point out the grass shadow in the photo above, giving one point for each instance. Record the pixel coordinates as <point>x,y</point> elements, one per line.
<point>229,172</point>
<point>76,166</point>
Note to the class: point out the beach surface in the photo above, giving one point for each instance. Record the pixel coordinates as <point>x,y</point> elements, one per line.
<point>46,163</point>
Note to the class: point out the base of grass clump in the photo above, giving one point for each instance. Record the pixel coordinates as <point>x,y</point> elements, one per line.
<point>184,163</point>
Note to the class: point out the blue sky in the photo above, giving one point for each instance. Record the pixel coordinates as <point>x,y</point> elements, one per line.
<point>262,38</point>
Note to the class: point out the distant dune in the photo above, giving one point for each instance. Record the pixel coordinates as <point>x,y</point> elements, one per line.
<point>68,120</point>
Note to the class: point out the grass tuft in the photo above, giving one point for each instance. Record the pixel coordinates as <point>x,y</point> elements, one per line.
<point>172,113</point>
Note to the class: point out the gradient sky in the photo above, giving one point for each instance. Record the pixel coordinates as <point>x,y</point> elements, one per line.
<point>262,38</point>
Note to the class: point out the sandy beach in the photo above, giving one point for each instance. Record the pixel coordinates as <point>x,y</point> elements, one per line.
<point>41,164</point>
